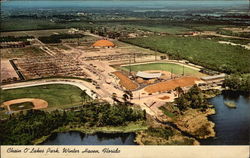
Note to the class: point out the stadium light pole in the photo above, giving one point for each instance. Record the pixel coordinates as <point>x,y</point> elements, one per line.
<point>134,58</point>
<point>182,70</point>
<point>155,55</point>
<point>171,73</point>
<point>130,65</point>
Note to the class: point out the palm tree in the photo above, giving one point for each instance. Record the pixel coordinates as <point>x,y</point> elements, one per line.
<point>179,91</point>
<point>114,97</point>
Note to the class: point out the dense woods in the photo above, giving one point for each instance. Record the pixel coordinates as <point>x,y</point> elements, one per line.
<point>238,82</point>
<point>207,53</point>
<point>24,127</point>
<point>192,99</point>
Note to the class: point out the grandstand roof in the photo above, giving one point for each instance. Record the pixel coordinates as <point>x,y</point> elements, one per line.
<point>213,77</point>
<point>148,75</point>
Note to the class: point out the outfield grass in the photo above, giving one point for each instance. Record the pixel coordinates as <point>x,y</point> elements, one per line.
<point>204,52</point>
<point>57,95</point>
<point>175,68</point>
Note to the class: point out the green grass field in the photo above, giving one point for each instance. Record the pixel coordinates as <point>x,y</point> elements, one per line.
<point>30,51</point>
<point>164,28</point>
<point>175,68</point>
<point>204,52</point>
<point>57,95</point>
<point>15,24</point>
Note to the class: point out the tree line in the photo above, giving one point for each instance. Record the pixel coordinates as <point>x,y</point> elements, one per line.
<point>58,38</point>
<point>194,98</point>
<point>24,127</point>
<point>238,82</point>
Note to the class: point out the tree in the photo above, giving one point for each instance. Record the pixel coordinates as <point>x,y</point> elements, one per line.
<point>192,99</point>
<point>127,97</point>
<point>179,91</point>
<point>83,95</point>
<point>114,97</point>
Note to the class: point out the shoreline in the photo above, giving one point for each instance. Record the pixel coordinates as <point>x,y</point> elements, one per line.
<point>131,127</point>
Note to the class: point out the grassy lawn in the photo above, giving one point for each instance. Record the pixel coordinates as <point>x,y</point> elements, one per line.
<point>165,28</point>
<point>36,24</point>
<point>21,52</point>
<point>166,112</point>
<point>57,95</point>
<point>21,106</point>
<point>205,52</point>
<point>175,68</point>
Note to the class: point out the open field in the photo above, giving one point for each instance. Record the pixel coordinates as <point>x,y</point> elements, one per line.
<point>15,24</point>
<point>208,53</point>
<point>35,33</point>
<point>30,51</point>
<point>170,67</point>
<point>57,95</point>
<point>171,29</point>
<point>170,85</point>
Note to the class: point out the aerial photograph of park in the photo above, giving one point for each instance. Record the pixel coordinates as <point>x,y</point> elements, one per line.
<point>125,72</point>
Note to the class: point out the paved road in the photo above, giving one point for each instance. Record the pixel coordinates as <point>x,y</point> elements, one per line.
<point>83,85</point>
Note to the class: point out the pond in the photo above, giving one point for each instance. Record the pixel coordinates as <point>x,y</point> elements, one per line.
<point>78,138</point>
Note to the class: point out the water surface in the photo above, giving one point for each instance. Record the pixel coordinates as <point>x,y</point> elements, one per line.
<point>125,4</point>
<point>232,126</point>
<point>78,138</point>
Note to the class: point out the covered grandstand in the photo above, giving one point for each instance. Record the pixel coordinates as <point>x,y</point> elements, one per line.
<point>146,75</point>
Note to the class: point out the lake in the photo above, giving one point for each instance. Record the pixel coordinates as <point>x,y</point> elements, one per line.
<point>78,138</point>
<point>232,126</point>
